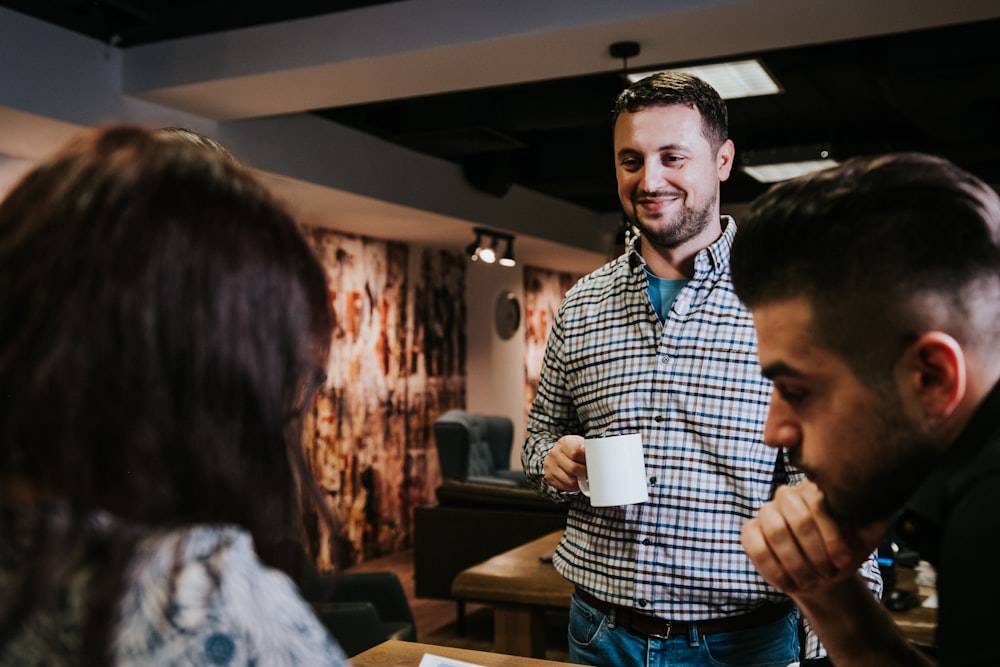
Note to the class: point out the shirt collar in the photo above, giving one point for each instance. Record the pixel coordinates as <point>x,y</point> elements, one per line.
<point>714,257</point>
<point>925,513</point>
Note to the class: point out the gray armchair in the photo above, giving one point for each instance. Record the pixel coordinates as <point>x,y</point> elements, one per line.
<point>476,448</point>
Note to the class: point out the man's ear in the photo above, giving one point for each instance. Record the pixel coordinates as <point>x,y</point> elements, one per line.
<point>724,159</point>
<point>935,368</point>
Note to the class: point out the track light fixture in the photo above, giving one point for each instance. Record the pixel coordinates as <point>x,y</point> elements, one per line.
<point>486,247</point>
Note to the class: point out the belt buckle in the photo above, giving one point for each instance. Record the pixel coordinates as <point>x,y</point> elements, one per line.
<point>659,635</point>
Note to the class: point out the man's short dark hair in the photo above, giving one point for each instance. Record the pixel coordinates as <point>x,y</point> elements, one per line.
<point>668,88</point>
<point>882,248</point>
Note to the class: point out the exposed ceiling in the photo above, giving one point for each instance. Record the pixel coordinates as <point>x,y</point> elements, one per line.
<point>936,90</point>
<point>132,22</point>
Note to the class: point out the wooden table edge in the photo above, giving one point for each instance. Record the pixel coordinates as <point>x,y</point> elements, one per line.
<point>395,653</point>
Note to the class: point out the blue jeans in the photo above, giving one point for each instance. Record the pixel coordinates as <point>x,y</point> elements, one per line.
<point>593,640</point>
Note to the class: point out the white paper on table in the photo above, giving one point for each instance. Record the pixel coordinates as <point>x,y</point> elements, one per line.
<point>431,660</point>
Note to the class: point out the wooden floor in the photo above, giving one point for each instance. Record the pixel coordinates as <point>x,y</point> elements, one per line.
<point>437,619</point>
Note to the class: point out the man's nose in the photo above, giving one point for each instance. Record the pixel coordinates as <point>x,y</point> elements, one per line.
<point>780,430</point>
<point>652,177</point>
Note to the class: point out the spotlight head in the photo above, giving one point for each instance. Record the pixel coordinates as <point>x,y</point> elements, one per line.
<point>472,250</point>
<point>508,255</point>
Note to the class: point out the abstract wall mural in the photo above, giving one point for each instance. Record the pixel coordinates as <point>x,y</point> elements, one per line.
<point>543,292</point>
<point>397,362</point>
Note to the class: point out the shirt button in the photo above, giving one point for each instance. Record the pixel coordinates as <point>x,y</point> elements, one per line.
<point>664,359</point>
<point>643,603</point>
<point>659,419</point>
<point>646,542</point>
<point>652,480</point>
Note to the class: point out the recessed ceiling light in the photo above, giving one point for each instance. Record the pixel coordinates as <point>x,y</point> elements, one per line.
<point>771,165</point>
<point>772,173</point>
<point>742,78</point>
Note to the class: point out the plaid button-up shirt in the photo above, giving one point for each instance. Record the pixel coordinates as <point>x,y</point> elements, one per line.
<point>692,387</point>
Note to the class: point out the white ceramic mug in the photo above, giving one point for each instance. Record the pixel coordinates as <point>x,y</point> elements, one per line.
<point>616,471</point>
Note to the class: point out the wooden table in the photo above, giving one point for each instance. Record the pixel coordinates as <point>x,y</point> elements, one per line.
<point>919,624</point>
<point>520,587</point>
<point>395,653</point>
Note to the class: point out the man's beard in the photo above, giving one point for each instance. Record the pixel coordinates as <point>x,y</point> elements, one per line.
<point>901,457</point>
<point>682,226</point>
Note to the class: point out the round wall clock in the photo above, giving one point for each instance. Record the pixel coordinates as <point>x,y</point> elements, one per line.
<point>507,315</point>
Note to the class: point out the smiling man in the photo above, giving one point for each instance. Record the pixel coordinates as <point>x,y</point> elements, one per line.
<point>875,292</point>
<point>655,342</point>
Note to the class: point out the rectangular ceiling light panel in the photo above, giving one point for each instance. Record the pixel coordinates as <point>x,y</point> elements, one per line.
<point>782,171</point>
<point>743,78</point>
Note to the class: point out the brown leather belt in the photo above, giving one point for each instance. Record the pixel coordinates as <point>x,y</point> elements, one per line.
<point>660,628</point>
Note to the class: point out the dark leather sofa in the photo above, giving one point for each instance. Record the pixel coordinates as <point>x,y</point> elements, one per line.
<point>471,522</point>
<point>483,507</point>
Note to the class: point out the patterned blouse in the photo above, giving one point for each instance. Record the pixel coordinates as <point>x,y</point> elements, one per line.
<point>194,596</point>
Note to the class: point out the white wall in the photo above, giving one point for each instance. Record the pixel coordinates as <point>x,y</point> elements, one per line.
<point>495,367</point>
<point>54,82</point>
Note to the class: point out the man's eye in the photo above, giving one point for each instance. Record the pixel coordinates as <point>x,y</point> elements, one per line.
<point>672,159</point>
<point>792,395</point>
<point>631,164</point>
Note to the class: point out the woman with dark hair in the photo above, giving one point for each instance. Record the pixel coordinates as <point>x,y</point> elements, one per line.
<point>163,328</point>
